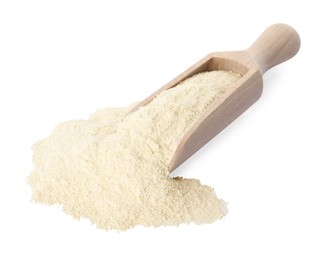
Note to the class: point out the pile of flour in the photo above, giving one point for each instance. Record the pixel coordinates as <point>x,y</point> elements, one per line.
<point>113,168</point>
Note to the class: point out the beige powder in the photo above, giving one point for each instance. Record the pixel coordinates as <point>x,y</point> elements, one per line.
<point>112,168</point>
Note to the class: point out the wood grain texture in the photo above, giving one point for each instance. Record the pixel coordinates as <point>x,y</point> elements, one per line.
<point>275,45</point>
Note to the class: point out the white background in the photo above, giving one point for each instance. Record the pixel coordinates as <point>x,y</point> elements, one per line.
<point>62,60</point>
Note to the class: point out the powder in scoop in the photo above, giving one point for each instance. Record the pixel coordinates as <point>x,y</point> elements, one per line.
<point>113,168</point>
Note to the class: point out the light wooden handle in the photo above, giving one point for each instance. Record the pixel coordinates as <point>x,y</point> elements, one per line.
<point>275,45</point>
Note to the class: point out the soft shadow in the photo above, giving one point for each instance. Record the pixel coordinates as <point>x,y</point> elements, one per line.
<point>271,79</point>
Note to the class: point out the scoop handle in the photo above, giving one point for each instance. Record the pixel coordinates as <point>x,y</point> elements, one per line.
<point>275,45</point>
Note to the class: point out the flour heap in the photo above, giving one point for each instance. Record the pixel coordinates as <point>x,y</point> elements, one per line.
<point>113,168</point>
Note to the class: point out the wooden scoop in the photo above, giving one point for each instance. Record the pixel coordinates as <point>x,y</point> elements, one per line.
<point>275,45</point>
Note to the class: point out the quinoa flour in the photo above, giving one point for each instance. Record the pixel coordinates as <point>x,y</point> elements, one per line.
<point>112,168</point>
